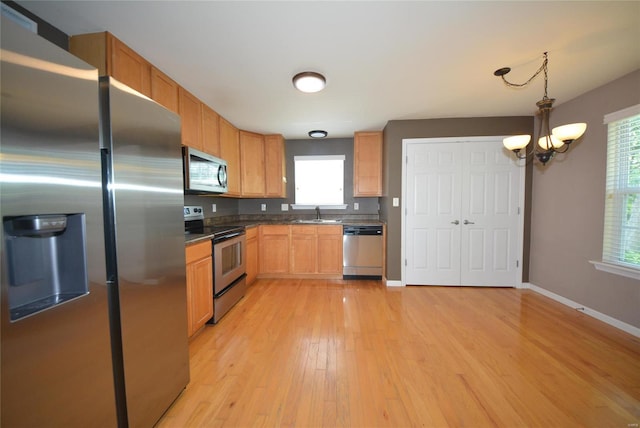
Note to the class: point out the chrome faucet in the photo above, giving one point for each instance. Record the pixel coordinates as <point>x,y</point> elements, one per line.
<point>317,213</point>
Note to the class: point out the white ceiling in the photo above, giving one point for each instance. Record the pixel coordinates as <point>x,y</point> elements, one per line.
<point>382,60</point>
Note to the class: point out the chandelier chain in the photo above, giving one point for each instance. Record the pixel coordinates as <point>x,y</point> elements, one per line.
<point>542,68</point>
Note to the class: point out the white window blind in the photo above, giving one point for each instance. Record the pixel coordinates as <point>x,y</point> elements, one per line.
<point>621,243</point>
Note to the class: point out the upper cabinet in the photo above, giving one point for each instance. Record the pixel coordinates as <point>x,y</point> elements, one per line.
<point>190,110</point>
<point>252,164</point>
<point>113,58</point>
<point>230,151</point>
<point>367,164</point>
<point>275,167</point>
<point>210,131</point>
<point>164,90</point>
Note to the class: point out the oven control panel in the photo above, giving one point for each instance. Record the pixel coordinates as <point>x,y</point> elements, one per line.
<point>193,212</point>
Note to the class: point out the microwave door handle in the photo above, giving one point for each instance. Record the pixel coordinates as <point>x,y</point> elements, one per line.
<point>222,175</point>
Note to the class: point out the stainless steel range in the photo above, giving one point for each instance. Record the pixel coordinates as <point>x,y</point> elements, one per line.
<point>229,259</point>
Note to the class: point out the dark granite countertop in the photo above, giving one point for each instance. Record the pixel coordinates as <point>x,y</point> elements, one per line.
<point>194,238</point>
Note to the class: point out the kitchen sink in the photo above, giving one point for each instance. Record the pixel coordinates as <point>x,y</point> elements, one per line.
<point>319,221</point>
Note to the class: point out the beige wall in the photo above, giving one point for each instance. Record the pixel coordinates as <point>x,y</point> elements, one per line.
<point>568,209</point>
<point>397,130</point>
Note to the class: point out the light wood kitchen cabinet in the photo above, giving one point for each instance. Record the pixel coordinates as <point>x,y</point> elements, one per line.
<point>230,152</point>
<point>275,166</point>
<point>113,58</point>
<point>164,90</point>
<point>367,164</point>
<point>252,164</point>
<point>330,249</point>
<point>210,131</point>
<point>274,249</point>
<point>304,249</point>
<point>252,254</point>
<point>199,285</point>
<point>190,109</point>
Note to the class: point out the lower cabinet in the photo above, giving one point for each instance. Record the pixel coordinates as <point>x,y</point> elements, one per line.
<point>252,254</point>
<point>199,285</point>
<point>274,249</point>
<point>300,251</point>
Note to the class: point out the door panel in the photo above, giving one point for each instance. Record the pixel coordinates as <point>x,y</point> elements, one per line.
<point>433,241</point>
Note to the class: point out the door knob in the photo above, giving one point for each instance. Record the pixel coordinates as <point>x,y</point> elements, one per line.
<point>468,222</point>
<point>455,222</point>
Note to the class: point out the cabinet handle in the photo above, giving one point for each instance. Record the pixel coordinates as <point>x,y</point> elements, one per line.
<point>468,222</point>
<point>455,222</point>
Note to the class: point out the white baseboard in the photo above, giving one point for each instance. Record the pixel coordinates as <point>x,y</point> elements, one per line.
<point>390,283</point>
<point>635,331</point>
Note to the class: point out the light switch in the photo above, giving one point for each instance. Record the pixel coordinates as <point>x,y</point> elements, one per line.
<point>396,202</point>
<point>263,207</point>
<point>356,206</point>
<point>213,208</point>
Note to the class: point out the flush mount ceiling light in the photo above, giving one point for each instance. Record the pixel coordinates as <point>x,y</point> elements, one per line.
<point>309,81</point>
<point>317,133</point>
<point>550,142</point>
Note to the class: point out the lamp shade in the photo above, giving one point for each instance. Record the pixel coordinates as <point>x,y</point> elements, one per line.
<point>516,142</point>
<point>555,143</point>
<point>309,81</point>
<point>570,132</point>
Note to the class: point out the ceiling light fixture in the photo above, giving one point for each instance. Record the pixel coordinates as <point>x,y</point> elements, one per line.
<point>317,133</point>
<point>309,81</point>
<point>550,142</point>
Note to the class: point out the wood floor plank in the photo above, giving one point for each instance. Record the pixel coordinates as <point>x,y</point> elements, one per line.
<point>357,354</point>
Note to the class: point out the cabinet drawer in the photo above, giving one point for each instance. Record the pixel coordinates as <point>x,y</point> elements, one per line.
<point>280,229</point>
<point>198,251</point>
<point>303,230</point>
<point>252,232</point>
<point>330,230</point>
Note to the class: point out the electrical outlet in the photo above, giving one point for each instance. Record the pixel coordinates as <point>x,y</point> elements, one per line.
<point>284,207</point>
<point>213,208</point>
<point>356,206</point>
<point>396,202</point>
<point>263,207</point>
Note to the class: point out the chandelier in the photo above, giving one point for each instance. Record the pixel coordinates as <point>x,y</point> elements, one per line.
<point>550,141</point>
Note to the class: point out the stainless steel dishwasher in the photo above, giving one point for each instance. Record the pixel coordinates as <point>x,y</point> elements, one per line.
<point>362,252</point>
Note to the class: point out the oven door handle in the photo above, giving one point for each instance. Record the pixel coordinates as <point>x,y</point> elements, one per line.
<point>227,237</point>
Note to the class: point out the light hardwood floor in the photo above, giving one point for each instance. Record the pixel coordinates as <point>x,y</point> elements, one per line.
<point>358,354</point>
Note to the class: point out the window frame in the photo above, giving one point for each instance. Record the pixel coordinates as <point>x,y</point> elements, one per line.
<point>617,191</point>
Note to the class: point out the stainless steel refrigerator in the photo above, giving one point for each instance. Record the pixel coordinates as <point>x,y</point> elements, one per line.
<point>93,296</point>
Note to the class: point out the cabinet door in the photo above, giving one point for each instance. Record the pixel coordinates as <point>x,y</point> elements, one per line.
<point>303,249</point>
<point>128,67</point>
<point>230,151</point>
<point>210,131</point>
<point>199,293</point>
<point>330,249</point>
<point>274,249</point>
<point>252,254</point>
<point>164,90</point>
<point>190,113</point>
<point>367,164</point>
<point>275,169</point>
<point>252,164</point>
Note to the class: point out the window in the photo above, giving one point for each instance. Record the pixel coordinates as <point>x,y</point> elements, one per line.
<point>319,181</point>
<point>621,243</point>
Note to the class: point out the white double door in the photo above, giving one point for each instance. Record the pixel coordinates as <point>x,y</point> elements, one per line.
<point>462,221</point>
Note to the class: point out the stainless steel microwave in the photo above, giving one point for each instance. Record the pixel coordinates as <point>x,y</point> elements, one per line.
<point>203,173</point>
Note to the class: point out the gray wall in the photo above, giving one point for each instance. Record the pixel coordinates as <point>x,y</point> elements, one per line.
<point>397,130</point>
<point>568,209</point>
